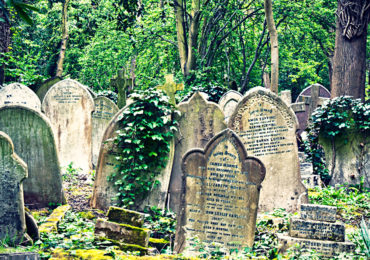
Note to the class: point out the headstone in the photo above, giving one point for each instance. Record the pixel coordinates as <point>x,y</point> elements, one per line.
<point>220,195</point>
<point>42,88</point>
<point>12,172</point>
<point>170,88</point>
<point>317,229</point>
<point>307,101</point>
<point>34,142</point>
<point>121,82</point>
<point>286,96</point>
<point>104,110</point>
<point>69,105</point>
<point>104,192</point>
<point>19,94</point>
<point>228,102</point>
<point>200,120</point>
<point>268,126</point>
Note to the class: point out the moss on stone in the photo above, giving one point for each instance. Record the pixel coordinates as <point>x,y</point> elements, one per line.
<point>87,215</point>
<point>158,241</point>
<point>124,216</point>
<point>127,247</point>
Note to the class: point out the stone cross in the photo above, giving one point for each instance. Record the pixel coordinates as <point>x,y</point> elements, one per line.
<point>170,88</point>
<point>314,100</point>
<point>122,83</point>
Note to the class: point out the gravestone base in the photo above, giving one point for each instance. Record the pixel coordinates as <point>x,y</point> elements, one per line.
<point>326,248</point>
<point>20,256</point>
<point>318,212</point>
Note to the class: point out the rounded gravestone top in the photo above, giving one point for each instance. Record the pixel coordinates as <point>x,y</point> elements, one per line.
<point>19,94</point>
<point>323,92</point>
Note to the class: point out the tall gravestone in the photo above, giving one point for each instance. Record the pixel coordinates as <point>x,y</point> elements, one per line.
<point>307,101</point>
<point>228,103</point>
<point>12,172</point>
<point>220,194</point>
<point>69,105</point>
<point>34,142</point>
<point>19,94</point>
<point>104,110</point>
<point>200,120</point>
<point>122,83</point>
<point>268,126</point>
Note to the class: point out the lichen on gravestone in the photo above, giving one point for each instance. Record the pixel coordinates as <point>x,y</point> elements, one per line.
<point>125,216</point>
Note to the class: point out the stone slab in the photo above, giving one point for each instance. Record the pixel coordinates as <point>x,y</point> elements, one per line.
<point>13,170</point>
<point>19,94</point>
<point>268,127</point>
<point>317,230</point>
<point>51,223</point>
<point>34,142</point>
<point>20,256</point>
<point>125,216</point>
<point>220,195</point>
<point>122,233</point>
<point>326,248</point>
<point>318,212</point>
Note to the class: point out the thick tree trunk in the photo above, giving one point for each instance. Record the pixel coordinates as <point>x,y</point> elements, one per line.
<point>349,61</point>
<point>193,36</point>
<point>64,41</point>
<point>274,47</point>
<point>181,34</point>
<point>5,36</point>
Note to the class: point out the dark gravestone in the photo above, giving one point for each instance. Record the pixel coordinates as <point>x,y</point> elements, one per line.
<point>220,194</point>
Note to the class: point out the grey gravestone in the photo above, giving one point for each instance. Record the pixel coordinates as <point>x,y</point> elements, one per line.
<point>122,83</point>
<point>12,172</point>
<point>19,94</point>
<point>104,110</point>
<point>228,103</point>
<point>34,142</point>
<point>104,191</point>
<point>286,96</point>
<point>318,212</point>
<point>69,105</point>
<point>200,120</point>
<point>268,129</point>
<point>220,194</point>
<point>307,101</point>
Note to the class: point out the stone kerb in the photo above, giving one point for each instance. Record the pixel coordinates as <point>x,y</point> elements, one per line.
<point>13,170</point>
<point>220,194</point>
<point>268,127</point>
<point>34,142</point>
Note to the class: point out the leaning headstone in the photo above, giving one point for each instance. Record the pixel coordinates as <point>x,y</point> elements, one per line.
<point>68,105</point>
<point>170,88</point>
<point>19,94</point>
<point>104,110</point>
<point>228,103</point>
<point>34,142</point>
<point>268,126</point>
<point>317,229</point>
<point>307,101</point>
<point>200,120</point>
<point>220,195</point>
<point>12,172</point>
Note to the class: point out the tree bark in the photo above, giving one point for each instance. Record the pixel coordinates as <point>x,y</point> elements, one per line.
<point>64,41</point>
<point>349,61</point>
<point>181,34</point>
<point>274,46</point>
<point>5,36</point>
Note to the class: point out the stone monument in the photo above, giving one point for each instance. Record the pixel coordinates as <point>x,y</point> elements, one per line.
<point>170,88</point>
<point>220,195</point>
<point>268,129</point>
<point>121,82</point>
<point>228,103</point>
<point>19,94</point>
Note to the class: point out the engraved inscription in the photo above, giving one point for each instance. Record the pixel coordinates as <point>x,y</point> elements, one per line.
<point>68,95</point>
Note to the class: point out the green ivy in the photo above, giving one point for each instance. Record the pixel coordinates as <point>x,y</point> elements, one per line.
<point>143,142</point>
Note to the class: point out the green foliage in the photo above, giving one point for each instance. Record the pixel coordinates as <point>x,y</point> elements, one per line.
<point>70,173</point>
<point>365,233</point>
<point>143,144</point>
<point>161,222</point>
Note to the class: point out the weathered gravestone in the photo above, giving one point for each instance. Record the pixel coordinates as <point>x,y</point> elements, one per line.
<point>104,110</point>
<point>12,172</point>
<point>34,142</point>
<point>105,191</point>
<point>122,83</point>
<point>220,194</point>
<point>42,88</point>
<point>228,103</point>
<point>170,88</point>
<point>286,96</point>
<point>19,94</point>
<point>307,101</point>
<point>268,126</point>
<point>200,120</point>
<point>69,105</point>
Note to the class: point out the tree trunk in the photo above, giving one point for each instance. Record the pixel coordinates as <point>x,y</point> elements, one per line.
<point>349,61</point>
<point>5,36</point>
<point>193,36</point>
<point>181,34</point>
<point>65,35</point>
<point>274,47</point>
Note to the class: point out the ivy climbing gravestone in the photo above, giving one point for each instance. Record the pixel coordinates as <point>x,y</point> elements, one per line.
<point>200,120</point>
<point>105,109</point>
<point>19,94</point>
<point>220,195</point>
<point>12,172</point>
<point>228,102</point>
<point>34,142</point>
<point>268,126</point>
<point>69,105</point>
